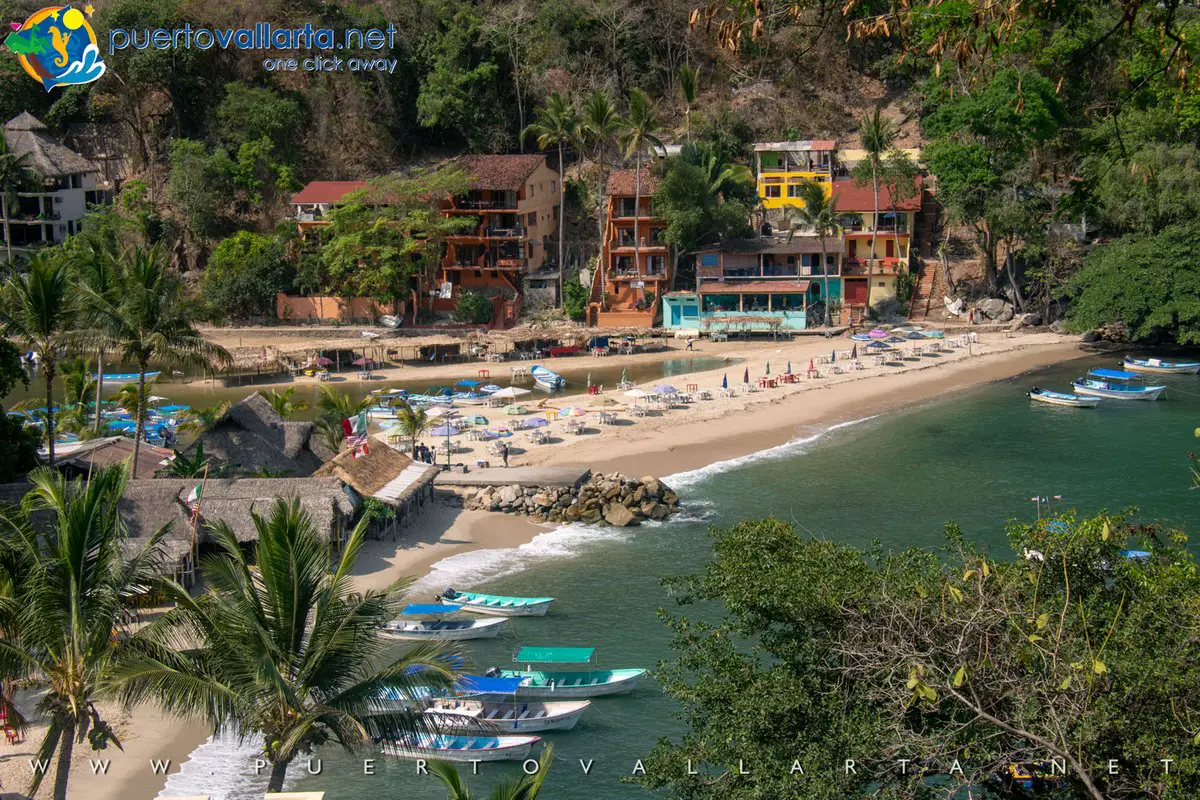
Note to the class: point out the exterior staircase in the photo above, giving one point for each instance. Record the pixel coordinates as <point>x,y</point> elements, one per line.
<point>926,234</point>
<point>922,297</point>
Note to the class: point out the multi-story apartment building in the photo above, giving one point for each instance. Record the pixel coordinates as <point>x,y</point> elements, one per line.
<point>782,167</point>
<point>636,266</point>
<point>64,184</point>
<point>515,202</point>
<point>892,232</point>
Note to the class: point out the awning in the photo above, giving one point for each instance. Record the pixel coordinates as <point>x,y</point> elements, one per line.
<point>410,478</point>
<point>421,610</point>
<point>555,655</point>
<point>478,684</point>
<point>756,287</point>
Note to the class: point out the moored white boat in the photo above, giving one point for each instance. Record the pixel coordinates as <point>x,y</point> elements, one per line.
<point>124,377</point>
<point>573,684</point>
<point>1062,399</point>
<point>502,717</point>
<point>545,379</point>
<point>1114,384</point>
<point>497,605</point>
<point>1160,367</point>
<point>441,629</point>
<point>447,747</point>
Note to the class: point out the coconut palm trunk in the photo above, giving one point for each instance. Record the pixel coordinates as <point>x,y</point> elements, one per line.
<point>62,771</point>
<point>7,229</point>
<point>278,773</point>
<point>49,365</point>
<point>99,385</point>
<point>825,288</point>
<point>140,428</point>
<point>562,219</point>
<point>874,235</point>
<point>637,203</point>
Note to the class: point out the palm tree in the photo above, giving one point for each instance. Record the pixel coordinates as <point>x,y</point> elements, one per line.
<point>899,177</point>
<point>285,403</point>
<point>97,268</point>
<point>74,580</point>
<point>412,422</point>
<point>557,125</point>
<point>689,88</point>
<point>600,127</point>
<point>878,133</point>
<point>14,175</point>
<point>817,213</point>
<point>282,646</point>
<point>152,321</point>
<point>203,419</point>
<point>39,309</point>
<point>640,132</point>
<point>79,384</point>
<point>197,465</point>
<point>527,788</point>
<point>723,178</point>
<point>333,407</point>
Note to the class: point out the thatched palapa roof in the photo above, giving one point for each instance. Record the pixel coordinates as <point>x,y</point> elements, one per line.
<point>28,136</point>
<point>368,473</point>
<point>251,435</point>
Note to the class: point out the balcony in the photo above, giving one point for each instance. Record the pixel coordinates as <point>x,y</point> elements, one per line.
<point>883,266</point>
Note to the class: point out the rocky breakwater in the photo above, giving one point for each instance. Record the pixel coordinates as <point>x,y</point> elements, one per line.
<point>613,499</point>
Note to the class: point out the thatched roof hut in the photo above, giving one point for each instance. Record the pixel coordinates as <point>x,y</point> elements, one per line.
<point>251,435</point>
<point>231,500</point>
<point>382,473</point>
<point>368,473</point>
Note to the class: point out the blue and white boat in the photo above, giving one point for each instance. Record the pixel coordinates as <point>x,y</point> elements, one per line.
<point>471,706</point>
<point>1158,366</point>
<point>546,380</point>
<point>124,377</point>
<point>1115,385</point>
<point>497,605</point>
<point>566,684</point>
<point>439,629</point>
<point>446,747</point>
<point>1062,399</point>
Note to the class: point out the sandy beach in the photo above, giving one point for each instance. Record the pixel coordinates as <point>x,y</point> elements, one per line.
<point>665,442</point>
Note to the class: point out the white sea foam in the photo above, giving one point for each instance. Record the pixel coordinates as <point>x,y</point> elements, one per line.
<point>480,566</point>
<point>685,480</point>
<point>223,769</point>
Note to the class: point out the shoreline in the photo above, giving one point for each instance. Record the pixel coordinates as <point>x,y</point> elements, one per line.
<point>674,446</point>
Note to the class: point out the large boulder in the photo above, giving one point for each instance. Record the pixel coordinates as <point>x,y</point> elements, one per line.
<point>994,307</point>
<point>508,494</point>
<point>652,484</point>
<point>1006,315</point>
<point>618,515</point>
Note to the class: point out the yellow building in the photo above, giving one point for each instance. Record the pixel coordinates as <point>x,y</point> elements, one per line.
<point>782,167</point>
<point>892,233</point>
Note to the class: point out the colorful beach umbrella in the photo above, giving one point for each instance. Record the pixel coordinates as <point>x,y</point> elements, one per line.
<point>364,362</point>
<point>879,346</point>
<point>445,430</point>
<point>572,411</point>
<point>878,333</point>
<point>321,361</point>
<point>534,422</point>
<point>665,388</point>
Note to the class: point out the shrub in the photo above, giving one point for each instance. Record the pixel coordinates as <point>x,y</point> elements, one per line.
<point>243,276</point>
<point>473,308</point>
<point>575,298</point>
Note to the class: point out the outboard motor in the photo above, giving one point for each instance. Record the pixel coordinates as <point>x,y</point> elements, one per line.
<point>492,672</point>
<point>449,594</point>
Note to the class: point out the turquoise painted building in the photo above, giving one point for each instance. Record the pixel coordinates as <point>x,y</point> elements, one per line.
<point>765,284</point>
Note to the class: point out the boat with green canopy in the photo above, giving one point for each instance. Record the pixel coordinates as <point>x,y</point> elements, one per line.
<point>497,605</point>
<point>537,683</point>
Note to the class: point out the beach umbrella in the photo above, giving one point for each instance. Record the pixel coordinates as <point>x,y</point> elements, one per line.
<point>664,388</point>
<point>512,392</point>
<point>894,340</point>
<point>589,380</point>
<point>445,430</point>
<point>877,333</point>
<point>363,362</point>
<point>475,419</point>
<point>320,361</point>
<point>879,346</point>
<point>832,356</point>
<point>767,371</point>
<point>467,383</point>
<point>725,381</point>
<point>789,367</point>
<point>636,393</point>
<point>572,411</point>
<point>534,422</point>
<point>514,409</point>
<point>746,376</point>
<point>854,352</point>
<point>811,366</point>
<point>916,335</point>
<point>624,378</point>
<point>447,392</point>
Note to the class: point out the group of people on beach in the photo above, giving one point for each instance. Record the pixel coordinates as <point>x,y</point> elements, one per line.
<point>423,454</point>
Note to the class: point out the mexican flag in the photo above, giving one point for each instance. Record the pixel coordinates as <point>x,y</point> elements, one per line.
<point>355,426</point>
<point>193,499</point>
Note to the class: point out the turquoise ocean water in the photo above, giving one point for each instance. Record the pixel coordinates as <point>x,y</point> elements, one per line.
<point>975,458</point>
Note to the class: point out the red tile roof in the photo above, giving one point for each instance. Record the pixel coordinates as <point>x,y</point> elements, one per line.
<point>326,191</point>
<point>756,287</point>
<point>622,183</point>
<point>499,172</point>
<point>848,197</point>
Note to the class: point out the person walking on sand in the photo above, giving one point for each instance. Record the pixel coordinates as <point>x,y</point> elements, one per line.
<point>691,341</point>
<point>504,453</point>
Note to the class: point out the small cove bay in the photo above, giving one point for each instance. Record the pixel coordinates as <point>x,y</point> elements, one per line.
<point>976,458</point>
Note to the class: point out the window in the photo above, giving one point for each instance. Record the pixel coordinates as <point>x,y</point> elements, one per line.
<point>76,181</point>
<point>531,218</point>
<point>880,284</point>
<point>771,191</point>
<point>710,260</point>
<point>793,190</point>
<point>554,186</point>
